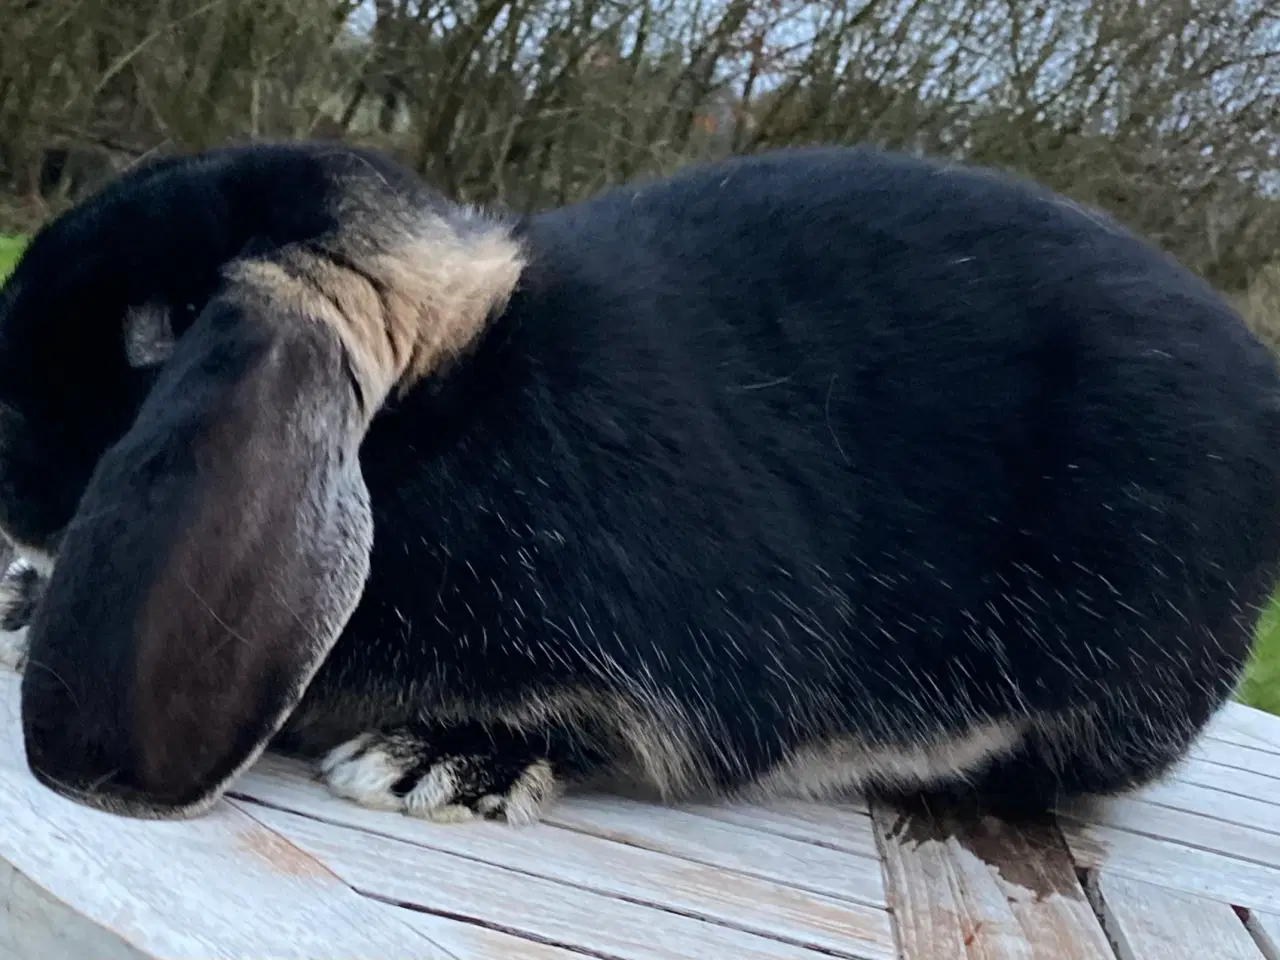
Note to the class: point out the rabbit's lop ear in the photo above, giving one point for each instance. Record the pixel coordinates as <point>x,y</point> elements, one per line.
<point>224,541</point>
<point>217,552</point>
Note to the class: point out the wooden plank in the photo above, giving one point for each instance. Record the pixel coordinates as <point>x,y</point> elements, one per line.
<point>1179,826</point>
<point>844,827</point>
<point>1200,873</point>
<point>470,941</point>
<point>727,845</point>
<point>1229,780</point>
<point>984,891</point>
<point>615,870</point>
<point>1246,727</point>
<point>1240,758</point>
<point>1146,922</point>
<point>1207,802</point>
<point>1265,930</point>
<point>36,925</point>
<point>77,883</point>
<point>515,902</point>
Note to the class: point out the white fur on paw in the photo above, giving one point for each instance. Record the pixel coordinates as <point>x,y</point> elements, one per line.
<point>20,586</point>
<point>365,777</point>
<point>367,768</point>
<point>13,649</point>
<point>533,792</point>
<point>434,796</point>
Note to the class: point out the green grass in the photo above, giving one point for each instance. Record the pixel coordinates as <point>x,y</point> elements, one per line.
<point>1261,687</point>
<point>10,247</point>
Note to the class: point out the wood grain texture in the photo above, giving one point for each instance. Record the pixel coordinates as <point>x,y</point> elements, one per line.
<point>1146,922</point>
<point>1255,814</point>
<point>291,872</point>
<point>35,923</point>
<point>984,891</point>
<point>844,827</point>
<point>1179,826</point>
<point>726,844</point>
<point>614,869</point>
<point>1229,780</point>
<point>1240,758</point>
<point>1201,873</point>
<point>1245,727</point>
<point>469,941</point>
<point>80,883</point>
<point>518,903</point>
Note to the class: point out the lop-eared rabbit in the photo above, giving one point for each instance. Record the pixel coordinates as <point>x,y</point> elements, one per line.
<point>818,470</point>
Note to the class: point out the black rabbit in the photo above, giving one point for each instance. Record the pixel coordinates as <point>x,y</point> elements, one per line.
<point>814,470</point>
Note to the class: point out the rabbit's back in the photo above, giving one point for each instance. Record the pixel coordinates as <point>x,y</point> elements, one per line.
<point>831,451</point>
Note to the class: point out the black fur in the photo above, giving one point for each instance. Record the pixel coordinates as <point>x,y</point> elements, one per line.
<point>158,234</point>
<point>818,446</point>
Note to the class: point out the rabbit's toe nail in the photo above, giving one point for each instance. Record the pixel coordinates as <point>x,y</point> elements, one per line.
<point>423,778</point>
<point>364,771</point>
<point>524,798</point>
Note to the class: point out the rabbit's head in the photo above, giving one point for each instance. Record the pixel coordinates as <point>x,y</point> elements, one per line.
<point>191,474</point>
<point>97,302</point>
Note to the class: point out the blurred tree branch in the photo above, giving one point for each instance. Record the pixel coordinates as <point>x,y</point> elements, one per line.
<point>1166,115</point>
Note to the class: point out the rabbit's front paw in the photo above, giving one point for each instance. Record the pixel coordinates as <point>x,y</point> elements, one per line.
<point>13,649</point>
<point>445,775</point>
<point>20,588</point>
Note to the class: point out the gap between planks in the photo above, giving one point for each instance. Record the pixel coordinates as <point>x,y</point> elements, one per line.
<point>1183,827</point>
<point>1211,830</point>
<point>732,844</point>
<point>1246,727</point>
<point>667,885</point>
<point>523,904</point>
<point>1165,863</point>
<point>1265,928</point>
<point>81,883</point>
<point>1236,757</point>
<point>1148,922</point>
<point>984,891</point>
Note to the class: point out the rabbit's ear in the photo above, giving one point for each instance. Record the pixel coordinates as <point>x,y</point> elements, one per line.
<point>216,555</point>
<point>224,541</point>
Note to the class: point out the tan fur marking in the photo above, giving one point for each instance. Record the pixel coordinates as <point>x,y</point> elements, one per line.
<point>655,737</point>
<point>823,770</point>
<point>405,302</point>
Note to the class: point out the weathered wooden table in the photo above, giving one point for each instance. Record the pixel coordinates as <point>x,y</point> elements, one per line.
<point>1187,869</point>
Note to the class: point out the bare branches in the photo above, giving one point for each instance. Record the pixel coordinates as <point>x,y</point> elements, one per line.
<point>1166,114</point>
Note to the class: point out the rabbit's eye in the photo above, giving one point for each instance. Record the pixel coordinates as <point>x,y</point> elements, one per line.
<point>148,334</point>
